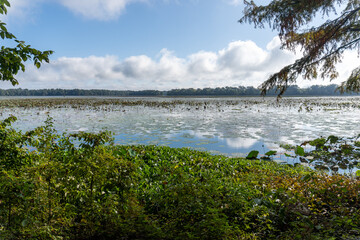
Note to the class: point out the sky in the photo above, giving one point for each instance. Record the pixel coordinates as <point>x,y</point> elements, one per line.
<point>148,44</point>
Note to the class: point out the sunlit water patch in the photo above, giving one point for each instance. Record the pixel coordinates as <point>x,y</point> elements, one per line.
<point>231,126</point>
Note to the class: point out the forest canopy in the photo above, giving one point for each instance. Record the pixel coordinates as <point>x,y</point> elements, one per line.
<point>294,90</point>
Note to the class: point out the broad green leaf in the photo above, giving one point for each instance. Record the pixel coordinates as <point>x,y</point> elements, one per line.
<point>288,155</point>
<point>270,153</point>
<point>332,139</point>
<point>299,151</point>
<point>252,155</point>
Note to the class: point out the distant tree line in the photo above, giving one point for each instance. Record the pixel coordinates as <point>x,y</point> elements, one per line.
<point>315,90</point>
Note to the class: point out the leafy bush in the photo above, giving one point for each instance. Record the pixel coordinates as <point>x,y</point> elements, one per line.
<point>81,186</point>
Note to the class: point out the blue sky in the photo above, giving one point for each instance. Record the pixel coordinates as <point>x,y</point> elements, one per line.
<point>146,44</point>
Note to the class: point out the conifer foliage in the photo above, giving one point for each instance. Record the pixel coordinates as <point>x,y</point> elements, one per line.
<point>322,46</point>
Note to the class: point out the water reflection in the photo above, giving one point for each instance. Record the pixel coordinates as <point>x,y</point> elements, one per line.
<point>195,140</point>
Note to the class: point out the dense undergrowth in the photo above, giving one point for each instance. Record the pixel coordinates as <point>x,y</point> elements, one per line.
<point>81,186</point>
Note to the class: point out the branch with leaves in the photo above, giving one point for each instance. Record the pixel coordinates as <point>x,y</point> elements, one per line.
<point>322,46</point>
<point>12,59</point>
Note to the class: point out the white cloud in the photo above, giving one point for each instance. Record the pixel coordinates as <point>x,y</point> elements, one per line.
<point>235,2</point>
<point>21,10</point>
<point>202,63</point>
<point>102,10</point>
<point>242,54</point>
<point>90,72</point>
<point>240,63</point>
<point>98,9</point>
<point>91,9</point>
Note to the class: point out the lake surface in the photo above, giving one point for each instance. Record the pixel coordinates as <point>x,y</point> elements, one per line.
<point>230,126</point>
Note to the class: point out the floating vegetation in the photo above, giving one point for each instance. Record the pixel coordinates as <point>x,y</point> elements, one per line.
<point>241,103</point>
<point>232,126</point>
<point>331,154</point>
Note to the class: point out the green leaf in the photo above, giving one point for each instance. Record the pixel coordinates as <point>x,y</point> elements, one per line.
<point>270,153</point>
<point>3,28</point>
<point>358,173</point>
<point>318,143</point>
<point>299,151</point>
<point>333,139</point>
<point>288,155</point>
<point>24,223</point>
<point>307,177</point>
<point>252,155</point>
<point>132,153</point>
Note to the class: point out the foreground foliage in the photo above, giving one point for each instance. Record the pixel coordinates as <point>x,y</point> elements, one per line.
<point>81,186</point>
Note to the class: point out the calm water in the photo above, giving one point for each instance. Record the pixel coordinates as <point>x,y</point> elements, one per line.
<point>231,126</point>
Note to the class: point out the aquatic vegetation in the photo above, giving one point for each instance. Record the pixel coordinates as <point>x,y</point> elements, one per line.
<point>331,153</point>
<point>230,126</point>
<point>113,103</point>
<point>252,155</point>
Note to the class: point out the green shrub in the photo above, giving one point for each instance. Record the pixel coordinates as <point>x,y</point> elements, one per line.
<point>81,186</point>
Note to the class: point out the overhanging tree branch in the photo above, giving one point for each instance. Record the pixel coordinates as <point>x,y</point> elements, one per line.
<point>13,59</point>
<point>322,46</point>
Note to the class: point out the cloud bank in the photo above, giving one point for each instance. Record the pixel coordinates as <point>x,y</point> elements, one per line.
<point>240,63</point>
